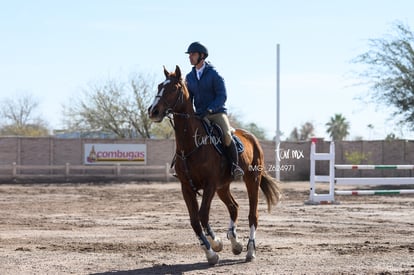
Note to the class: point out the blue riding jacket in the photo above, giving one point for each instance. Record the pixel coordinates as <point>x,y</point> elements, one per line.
<point>208,93</point>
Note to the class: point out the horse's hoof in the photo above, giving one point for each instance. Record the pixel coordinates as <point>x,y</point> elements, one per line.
<point>250,258</point>
<point>213,260</point>
<point>212,257</point>
<point>251,251</point>
<point>216,244</point>
<point>237,248</point>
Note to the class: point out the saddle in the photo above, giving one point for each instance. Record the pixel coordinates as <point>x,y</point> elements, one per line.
<point>215,137</point>
<point>215,133</point>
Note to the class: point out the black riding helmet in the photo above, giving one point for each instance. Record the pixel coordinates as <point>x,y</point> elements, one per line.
<point>197,47</point>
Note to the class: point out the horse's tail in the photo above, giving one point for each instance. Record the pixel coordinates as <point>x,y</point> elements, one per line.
<point>271,189</point>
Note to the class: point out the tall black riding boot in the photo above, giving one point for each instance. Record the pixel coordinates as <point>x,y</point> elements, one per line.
<point>233,157</point>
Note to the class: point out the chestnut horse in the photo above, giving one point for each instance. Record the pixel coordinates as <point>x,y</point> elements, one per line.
<point>200,167</point>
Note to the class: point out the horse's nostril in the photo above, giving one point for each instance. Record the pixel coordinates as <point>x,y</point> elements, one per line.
<point>152,111</point>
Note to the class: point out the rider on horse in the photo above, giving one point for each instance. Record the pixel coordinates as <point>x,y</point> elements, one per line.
<point>208,93</point>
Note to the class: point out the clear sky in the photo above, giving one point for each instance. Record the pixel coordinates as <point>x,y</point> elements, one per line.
<point>54,49</point>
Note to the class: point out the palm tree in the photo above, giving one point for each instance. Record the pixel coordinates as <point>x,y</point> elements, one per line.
<point>337,127</point>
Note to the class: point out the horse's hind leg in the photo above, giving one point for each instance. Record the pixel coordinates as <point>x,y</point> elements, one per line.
<point>253,185</point>
<point>233,208</point>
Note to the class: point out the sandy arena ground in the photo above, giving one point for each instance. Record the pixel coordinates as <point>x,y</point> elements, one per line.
<point>144,229</point>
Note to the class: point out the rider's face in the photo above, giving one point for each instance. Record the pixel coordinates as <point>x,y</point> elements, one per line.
<point>194,58</point>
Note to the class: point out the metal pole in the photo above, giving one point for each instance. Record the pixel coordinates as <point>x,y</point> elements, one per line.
<point>277,168</point>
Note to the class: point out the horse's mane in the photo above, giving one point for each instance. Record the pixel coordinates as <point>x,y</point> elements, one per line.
<point>183,84</point>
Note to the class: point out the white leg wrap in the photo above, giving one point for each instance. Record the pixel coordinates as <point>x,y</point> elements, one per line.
<point>251,245</point>
<point>252,233</point>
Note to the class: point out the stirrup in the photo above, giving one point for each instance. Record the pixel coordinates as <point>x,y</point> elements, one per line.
<point>237,172</point>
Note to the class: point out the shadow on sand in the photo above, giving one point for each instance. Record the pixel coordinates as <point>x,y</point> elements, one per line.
<point>171,269</point>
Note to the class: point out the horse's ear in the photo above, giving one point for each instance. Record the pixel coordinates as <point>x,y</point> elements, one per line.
<point>167,73</point>
<point>177,72</point>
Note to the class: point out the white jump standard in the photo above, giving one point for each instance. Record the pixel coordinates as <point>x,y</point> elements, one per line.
<point>329,197</point>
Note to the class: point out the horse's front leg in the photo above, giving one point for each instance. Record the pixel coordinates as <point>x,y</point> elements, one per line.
<point>192,206</point>
<point>211,255</point>
<point>215,242</point>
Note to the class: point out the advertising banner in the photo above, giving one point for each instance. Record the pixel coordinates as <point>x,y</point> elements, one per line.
<point>97,153</point>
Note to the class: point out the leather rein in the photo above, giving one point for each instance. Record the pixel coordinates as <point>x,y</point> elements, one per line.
<point>170,114</point>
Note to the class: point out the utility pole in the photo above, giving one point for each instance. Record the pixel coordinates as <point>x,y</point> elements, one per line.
<point>277,167</point>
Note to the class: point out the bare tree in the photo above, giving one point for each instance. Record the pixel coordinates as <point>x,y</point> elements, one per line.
<point>143,94</point>
<point>252,127</point>
<point>294,135</point>
<point>305,133</point>
<point>390,72</point>
<point>19,118</point>
<point>115,107</point>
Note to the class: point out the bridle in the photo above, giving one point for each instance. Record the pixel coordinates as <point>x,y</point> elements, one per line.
<point>170,108</point>
<point>169,111</point>
<point>170,114</point>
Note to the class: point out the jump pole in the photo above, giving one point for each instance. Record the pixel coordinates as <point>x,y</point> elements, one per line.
<point>373,167</point>
<point>374,192</point>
